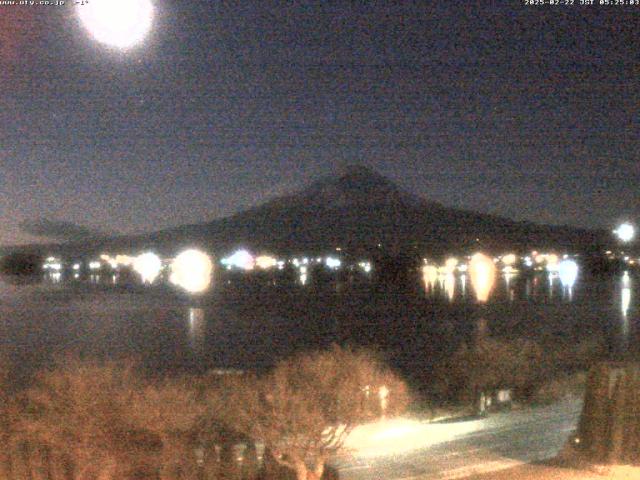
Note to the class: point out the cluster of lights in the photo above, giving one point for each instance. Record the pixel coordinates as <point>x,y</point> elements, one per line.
<point>52,264</point>
<point>117,261</point>
<point>365,266</point>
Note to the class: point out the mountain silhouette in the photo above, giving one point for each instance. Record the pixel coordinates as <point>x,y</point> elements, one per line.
<point>359,211</point>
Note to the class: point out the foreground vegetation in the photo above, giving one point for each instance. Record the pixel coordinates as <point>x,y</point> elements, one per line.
<point>90,420</point>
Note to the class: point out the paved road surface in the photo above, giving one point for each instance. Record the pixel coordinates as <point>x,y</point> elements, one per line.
<point>417,450</point>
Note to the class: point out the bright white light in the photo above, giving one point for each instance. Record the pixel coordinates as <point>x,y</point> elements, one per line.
<point>483,272</point>
<point>332,262</point>
<point>240,259</point>
<point>568,271</point>
<point>95,265</point>
<point>192,271</point>
<point>148,266</point>
<point>119,23</point>
<point>625,232</point>
<point>403,435</point>
<point>76,266</point>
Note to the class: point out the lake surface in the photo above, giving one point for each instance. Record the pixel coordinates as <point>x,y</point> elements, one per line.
<point>250,324</point>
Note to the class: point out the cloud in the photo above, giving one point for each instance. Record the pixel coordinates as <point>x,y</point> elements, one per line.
<point>59,230</point>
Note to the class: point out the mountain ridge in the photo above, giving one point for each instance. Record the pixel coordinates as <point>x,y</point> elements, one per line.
<point>357,210</point>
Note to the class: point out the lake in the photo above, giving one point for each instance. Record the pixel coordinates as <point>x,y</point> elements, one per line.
<point>250,323</point>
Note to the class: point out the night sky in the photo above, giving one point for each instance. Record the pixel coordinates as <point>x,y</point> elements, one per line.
<point>527,112</point>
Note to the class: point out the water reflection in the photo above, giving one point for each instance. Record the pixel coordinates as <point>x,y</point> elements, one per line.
<point>429,277</point>
<point>568,272</point>
<point>626,295</point>
<point>449,284</point>
<point>196,331</point>
<point>625,301</point>
<point>508,277</point>
<point>552,277</point>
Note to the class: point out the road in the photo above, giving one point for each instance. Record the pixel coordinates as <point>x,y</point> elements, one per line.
<point>418,450</point>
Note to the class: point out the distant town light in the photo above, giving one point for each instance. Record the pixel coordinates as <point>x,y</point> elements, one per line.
<point>192,270</point>
<point>333,262</point>
<point>509,259</point>
<point>124,260</point>
<point>366,266</point>
<point>266,262</point>
<point>148,266</point>
<point>625,232</point>
<point>240,259</point>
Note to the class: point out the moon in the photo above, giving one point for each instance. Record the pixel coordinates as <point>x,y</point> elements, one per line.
<point>117,23</point>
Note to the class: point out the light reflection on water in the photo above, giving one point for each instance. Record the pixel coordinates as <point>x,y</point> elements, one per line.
<point>547,288</point>
<point>150,320</point>
<point>196,330</point>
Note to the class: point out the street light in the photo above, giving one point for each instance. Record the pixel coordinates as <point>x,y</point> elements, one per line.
<point>625,232</point>
<point>148,265</point>
<point>192,271</point>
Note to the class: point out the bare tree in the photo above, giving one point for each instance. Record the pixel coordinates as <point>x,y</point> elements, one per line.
<point>173,410</point>
<point>79,411</point>
<point>493,363</point>
<point>305,408</point>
